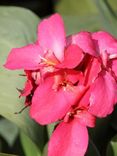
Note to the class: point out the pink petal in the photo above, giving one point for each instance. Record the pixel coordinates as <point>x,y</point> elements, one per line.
<point>27,89</point>
<point>114,66</point>
<point>84,101</point>
<point>105,42</point>
<point>51,35</point>
<point>27,58</point>
<point>84,41</point>
<point>103,95</point>
<point>73,57</point>
<point>50,105</point>
<point>69,139</point>
<point>92,70</point>
<point>73,75</point>
<point>86,118</point>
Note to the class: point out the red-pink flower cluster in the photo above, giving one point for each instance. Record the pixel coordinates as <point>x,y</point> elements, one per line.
<point>71,80</point>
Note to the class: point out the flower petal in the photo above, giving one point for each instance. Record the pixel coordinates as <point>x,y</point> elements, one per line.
<point>84,41</point>
<point>27,88</point>
<point>86,118</point>
<point>73,75</point>
<point>69,139</point>
<point>27,58</point>
<point>73,56</point>
<point>92,70</point>
<point>50,105</point>
<point>103,95</point>
<point>105,42</point>
<point>51,35</point>
<point>114,66</point>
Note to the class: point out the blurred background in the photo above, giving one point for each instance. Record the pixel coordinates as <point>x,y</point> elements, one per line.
<point>83,14</point>
<point>18,28</point>
<point>40,7</point>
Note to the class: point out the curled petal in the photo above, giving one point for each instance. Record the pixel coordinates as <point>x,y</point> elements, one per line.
<point>84,41</point>
<point>27,89</point>
<point>51,35</point>
<point>114,67</point>
<point>69,139</point>
<point>27,58</point>
<point>103,95</point>
<point>105,42</point>
<point>86,118</point>
<point>73,75</point>
<point>91,72</point>
<point>73,57</point>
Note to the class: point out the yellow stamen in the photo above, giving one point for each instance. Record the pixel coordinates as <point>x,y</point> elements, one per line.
<point>48,62</point>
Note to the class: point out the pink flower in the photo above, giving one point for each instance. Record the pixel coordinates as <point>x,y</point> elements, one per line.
<point>50,49</point>
<point>50,54</point>
<point>69,79</point>
<point>70,137</point>
<point>32,82</point>
<point>106,46</point>
<point>54,96</point>
<point>102,48</point>
<point>98,101</point>
<point>99,44</point>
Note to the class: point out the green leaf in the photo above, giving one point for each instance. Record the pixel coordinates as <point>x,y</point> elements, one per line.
<point>101,133</point>
<point>28,145</point>
<point>113,4</point>
<point>92,149</point>
<point>112,147</point>
<point>76,7</point>
<point>108,15</point>
<point>50,129</point>
<point>74,24</point>
<point>3,154</point>
<point>114,119</point>
<point>45,150</point>
<point>17,28</point>
<point>79,15</point>
<point>8,131</point>
<point>82,8</point>
<point>90,15</point>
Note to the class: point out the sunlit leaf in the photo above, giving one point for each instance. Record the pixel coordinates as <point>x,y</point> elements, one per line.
<point>8,131</point>
<point>29,147</point>
<point>90,15</point>
<point>109,17</point>
<point>45,150</point>
<point>112,147</point>
<point>50,129</point>
<point>17,28</point>
<point>101,133</point>
<point>114,119</point>
<point>76,7</point>
<point>92,150</point>
<point>74,24</point>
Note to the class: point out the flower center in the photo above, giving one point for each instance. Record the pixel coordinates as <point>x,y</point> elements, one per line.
<point>61,82</point>
<point>74,113</point>
<point>49,59</point>
<point>47,62</point>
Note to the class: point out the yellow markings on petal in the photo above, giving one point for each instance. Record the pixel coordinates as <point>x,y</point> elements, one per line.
<point>47,62</point>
